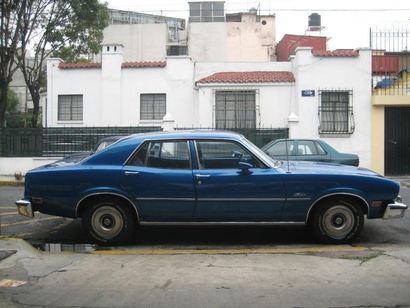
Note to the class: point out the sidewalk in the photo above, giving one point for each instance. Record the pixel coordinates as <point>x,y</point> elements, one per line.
<point>376,277</point>
<point>9,180</point>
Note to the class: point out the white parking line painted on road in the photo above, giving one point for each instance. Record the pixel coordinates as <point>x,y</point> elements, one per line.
<point>8,213</point>
<point>233,251</point>
<point>7,207</point>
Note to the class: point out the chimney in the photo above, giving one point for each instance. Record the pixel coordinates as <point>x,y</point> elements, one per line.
<point>112,57</point>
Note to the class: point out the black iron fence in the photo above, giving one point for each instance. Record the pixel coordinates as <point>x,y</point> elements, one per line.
<point>390,61</point>
<point>58,142</point>
<point>27,142</point>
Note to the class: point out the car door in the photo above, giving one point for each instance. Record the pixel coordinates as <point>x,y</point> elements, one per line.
<point>226,193</point>
<point>159,177</point>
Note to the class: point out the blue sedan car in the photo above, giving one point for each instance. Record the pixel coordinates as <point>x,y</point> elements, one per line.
<point>206,178</point>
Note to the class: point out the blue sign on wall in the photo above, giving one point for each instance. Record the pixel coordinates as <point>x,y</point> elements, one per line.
<point>308,93</point>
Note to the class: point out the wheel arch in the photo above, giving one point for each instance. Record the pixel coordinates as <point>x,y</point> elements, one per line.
<point>359,200</point>
<point>96,195</point>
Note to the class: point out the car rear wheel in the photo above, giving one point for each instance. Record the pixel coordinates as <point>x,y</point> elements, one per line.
<point>109,221</point>
<point>337,221</point>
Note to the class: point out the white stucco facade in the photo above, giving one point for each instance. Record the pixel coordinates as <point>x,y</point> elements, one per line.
<point>111,93</point>
<point>334,73</point>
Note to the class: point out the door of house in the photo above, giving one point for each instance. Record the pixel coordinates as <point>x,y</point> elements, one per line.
<point>397,141</point>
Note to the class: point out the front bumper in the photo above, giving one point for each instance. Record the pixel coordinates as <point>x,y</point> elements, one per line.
<point>395,210</point>
<point>24,208</point>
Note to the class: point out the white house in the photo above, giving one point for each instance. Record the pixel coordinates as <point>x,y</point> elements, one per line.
<point>324,94</point>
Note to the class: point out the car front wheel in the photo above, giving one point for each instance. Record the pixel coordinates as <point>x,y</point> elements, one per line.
<point>109,221</point>
<point>337,221</point>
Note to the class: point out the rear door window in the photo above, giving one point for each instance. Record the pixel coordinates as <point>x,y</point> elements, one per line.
<point>163,154</point>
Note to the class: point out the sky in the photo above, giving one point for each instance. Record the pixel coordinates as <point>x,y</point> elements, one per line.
<point>346,22</point>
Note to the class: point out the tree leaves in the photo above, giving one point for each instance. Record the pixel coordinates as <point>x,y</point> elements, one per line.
<point>69,29</point>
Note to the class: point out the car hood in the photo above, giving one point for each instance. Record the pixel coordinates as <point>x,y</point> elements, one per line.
<point>309,167</point>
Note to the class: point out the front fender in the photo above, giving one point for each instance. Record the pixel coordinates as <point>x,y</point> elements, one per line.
<point>339,192</point>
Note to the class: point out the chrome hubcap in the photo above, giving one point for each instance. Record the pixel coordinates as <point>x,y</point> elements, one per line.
<point>107,222</point>
<point>338,221</point>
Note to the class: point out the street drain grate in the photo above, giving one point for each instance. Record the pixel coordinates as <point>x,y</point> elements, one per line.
<point>59,247</point>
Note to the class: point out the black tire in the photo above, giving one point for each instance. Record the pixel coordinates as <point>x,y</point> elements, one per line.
<point>109,221</point>
<point>337,221</point>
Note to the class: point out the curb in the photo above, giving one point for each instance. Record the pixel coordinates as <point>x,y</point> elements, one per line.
<point>11,183</point>
<point>405,184</point>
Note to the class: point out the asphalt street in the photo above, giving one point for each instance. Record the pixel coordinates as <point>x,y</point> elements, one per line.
<point>50,229</point>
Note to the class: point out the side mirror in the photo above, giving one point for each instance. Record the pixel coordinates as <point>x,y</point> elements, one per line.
<point>244,168</point>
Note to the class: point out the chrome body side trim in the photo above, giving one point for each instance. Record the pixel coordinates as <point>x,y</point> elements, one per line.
<point>241,199</point>
<point>107,193</point>
<point>395,210</point>
<point>24,208</point>
<point>222,199</point>
<point>336,194</point>
<point>165,199</point>
<point>223,223</point>
<point>298,199</point>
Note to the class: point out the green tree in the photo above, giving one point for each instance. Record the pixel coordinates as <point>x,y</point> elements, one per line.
<point>11,20</point>
<point>70,29</point>
<point>12,114</point>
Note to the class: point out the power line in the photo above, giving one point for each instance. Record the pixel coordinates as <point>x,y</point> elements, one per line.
<point>286,10</point>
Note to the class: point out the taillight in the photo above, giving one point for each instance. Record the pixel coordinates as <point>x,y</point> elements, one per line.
<point>356,162</point>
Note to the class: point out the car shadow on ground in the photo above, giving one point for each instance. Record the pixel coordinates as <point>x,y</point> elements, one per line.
<point>374,232</point>
<point>177,236</point>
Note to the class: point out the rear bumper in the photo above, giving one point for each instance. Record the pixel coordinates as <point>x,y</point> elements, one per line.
<point>24,208</point>
<point>395,210</point>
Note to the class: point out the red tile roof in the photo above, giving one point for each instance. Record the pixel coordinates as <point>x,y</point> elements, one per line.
<point>336,53</point>
<point>249,77</point>
<point>69,66</point>
<point>144,64</point>
<point>290,42</point>
<point>141,64</point>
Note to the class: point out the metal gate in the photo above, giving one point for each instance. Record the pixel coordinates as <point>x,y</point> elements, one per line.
<point>397,141</point>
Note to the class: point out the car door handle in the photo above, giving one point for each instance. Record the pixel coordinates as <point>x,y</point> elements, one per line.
<point>131,172</point>
<point>202,176</point>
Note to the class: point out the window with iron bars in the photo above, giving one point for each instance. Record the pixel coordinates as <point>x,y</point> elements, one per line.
<point>152,106</point>
<point>235,109</point>
<point>336,112</point>
<point>70,108</point>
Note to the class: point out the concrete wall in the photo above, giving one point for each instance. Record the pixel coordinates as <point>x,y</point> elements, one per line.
<point>144,42</point>
<point>208,41</point>
<point>249,40</point>
<point>12,165</point>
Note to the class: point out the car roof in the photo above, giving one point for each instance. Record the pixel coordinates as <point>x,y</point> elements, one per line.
<point>186,134</point>
<point>297,139</point>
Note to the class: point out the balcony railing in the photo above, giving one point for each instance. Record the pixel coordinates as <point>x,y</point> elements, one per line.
<point>390,62</point>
